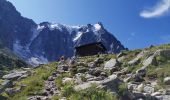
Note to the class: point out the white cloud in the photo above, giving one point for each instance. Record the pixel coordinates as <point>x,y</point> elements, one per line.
<point>161,9</point>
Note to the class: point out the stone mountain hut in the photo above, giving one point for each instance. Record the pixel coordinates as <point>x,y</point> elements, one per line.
<point>90,49</point>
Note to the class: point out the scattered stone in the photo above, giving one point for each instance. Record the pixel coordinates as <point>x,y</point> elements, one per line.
<point>12,91</point>
<point>98,61</point>
<point>121,59</point>
<point>121,54</point>
<point>38,98</point>
<point>148,89</point>
<point>156,94</point>
<point>141,72</point>
<point>140,87</point>
<point>132,87</point>
<point>111,83</point>
<point>137,59</point>
<point>15,75</point>
<point>103,74</point>
<point>51,78</point>
<point>111,64</point>
<point>138,78</point>
<point>95,72</point>
<point>62,68</point>
<point>91,65</point>
<point>167,80</point>
<point>82,70</point>
<point>67,80</point>
<point>150,60</point>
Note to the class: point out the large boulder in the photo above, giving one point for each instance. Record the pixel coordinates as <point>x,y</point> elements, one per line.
<point>111,64</point>
<point>15,75</point>
<point>67,80</point>
<point>86,85</point>
<point>12,91</point>
<point>137,59</point>
<point>150,60</point>
<point>111,83</point>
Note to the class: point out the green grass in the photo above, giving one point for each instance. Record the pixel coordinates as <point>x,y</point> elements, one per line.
<point>92,93</point>
<point>1,81</point>
<point>35,83</point>
<point>122,88</point>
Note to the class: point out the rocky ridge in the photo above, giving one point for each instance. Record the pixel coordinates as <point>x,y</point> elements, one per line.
<point>43,43</point>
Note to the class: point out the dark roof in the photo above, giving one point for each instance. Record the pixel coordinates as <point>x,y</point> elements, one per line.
<point>99,44</point>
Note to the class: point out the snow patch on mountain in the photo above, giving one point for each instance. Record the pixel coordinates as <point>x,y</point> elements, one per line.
<point>35,61</point>
<point>78,35</point>
<point>97,27</point>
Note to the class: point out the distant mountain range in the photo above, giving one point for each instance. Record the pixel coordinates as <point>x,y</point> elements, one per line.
<point>46,42</point>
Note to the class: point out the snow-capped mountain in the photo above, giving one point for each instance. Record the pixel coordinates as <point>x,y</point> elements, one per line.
<point>44,42</point>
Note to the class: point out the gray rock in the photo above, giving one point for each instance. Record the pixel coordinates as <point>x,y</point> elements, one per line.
<point>132,87</point>
<point>156,94</point>
<point>1,73</point>
<point>95,72</point>
<point>167,80</point>
<point>137,59</point>
<point>67,80</point>
<point>148,89</point>
<point>91,65</point>
<point>138,78</point>
<point>98,61</point>
<point>62,68</point>
<point>86,85</point>
<point>150,60</point>
<point>5,84</point>
<point>38,98</point>
<point>165,97</point>
<point>82,70</point>
<point>121,54</point>
<point>15,75</point>
<point>111,64</point>
<point>12,91</point>
<point>51,78</point>
<point>121,59</point>
<point>111,83</point>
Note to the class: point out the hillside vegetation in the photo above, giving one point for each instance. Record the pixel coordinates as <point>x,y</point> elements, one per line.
<point>130,75</point>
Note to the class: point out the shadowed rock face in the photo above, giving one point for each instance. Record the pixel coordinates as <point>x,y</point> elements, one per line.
<point>44,42</point>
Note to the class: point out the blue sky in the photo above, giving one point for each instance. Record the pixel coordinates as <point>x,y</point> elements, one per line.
<point>136,23</point>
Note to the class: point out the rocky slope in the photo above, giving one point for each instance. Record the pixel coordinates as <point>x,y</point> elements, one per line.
<point>9,61</point>
<point>44,42</point>
<point>131,75</point>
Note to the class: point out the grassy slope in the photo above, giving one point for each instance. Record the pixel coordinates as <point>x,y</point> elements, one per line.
<point>35,83</point>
